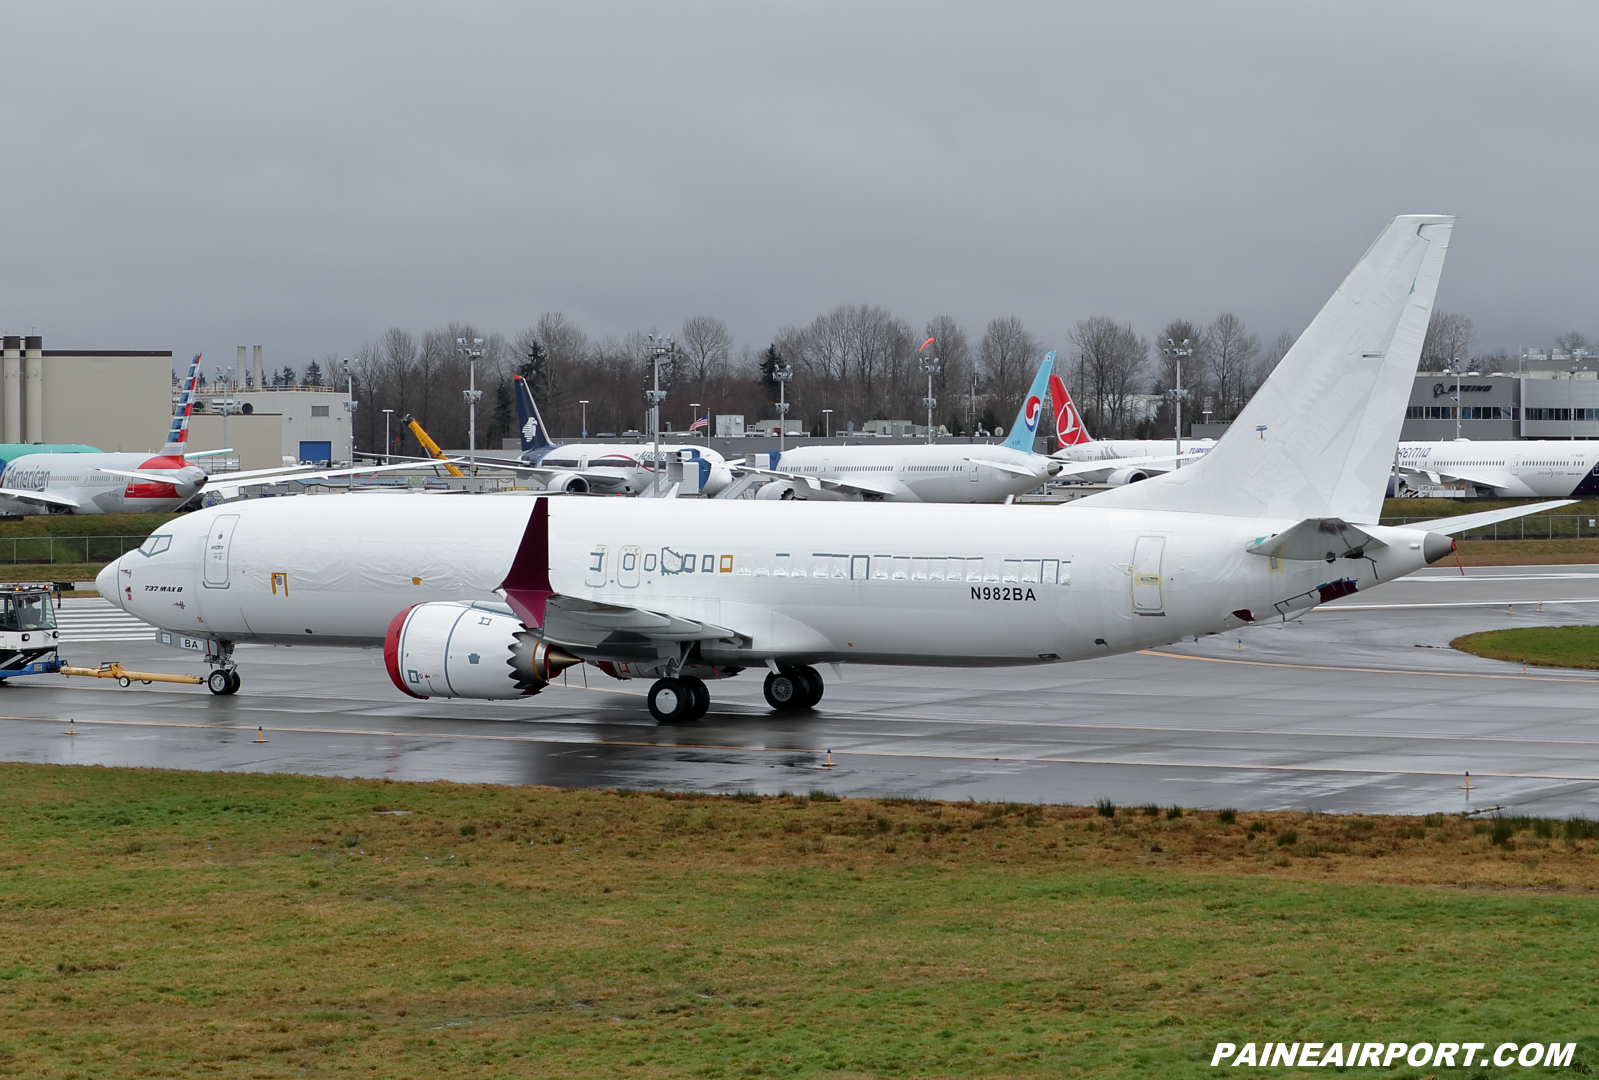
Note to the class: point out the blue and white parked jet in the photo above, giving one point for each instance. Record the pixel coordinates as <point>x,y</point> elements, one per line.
<point>488,597</point>
<point>929,472</point>
<point>602,468</point>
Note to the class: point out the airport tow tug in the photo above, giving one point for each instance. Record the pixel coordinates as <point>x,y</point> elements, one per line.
<point>28,634</point>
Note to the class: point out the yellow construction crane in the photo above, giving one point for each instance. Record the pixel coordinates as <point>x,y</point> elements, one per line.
<point>428,444</point>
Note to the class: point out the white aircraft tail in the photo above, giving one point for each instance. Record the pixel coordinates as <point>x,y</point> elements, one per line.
<point>1317,440</point>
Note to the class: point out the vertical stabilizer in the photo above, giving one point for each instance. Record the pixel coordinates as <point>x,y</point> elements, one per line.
<point>178,433</point>
<point>1317,440</point>
<point>534,435</point>
<point>1069,430</point>
<point>1025,428</point>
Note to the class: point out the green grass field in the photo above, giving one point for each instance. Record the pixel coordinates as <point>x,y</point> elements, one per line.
<point>186,924</point>
<point>1546,646</point>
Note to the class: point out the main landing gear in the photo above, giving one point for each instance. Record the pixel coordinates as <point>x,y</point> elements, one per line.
<point>674,700</point>
<point>224,678</point>
<point>793,689</point>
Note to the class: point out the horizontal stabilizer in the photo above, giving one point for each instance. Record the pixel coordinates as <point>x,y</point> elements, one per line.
<point>1316,540</point>
<point>1463,522</point>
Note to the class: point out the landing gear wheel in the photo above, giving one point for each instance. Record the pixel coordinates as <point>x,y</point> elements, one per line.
<point>701,696</point>
<point>786,690</point>
<point>670,701</point>
<point>814,686</point>
<point>234,682</point>
<point>219,682</point>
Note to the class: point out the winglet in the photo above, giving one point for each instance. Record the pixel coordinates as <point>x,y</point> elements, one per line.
<point>527,585</point>
<point>1032,410</point>
<point>534,434</point>
<point>178,433</point>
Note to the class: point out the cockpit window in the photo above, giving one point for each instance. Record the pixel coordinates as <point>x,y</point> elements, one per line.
<point>29,611</point>
<point>155,545</point>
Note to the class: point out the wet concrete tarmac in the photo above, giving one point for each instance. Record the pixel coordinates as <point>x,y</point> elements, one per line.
<point>1360,706</point>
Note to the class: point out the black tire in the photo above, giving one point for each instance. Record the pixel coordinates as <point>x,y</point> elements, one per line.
<point>670,701</point>
<point>124,682</point>
<point>234,681</point>
<point>701,694</point>
<point>814,686</point>
<point>786,690</point>
<point>218,682</point>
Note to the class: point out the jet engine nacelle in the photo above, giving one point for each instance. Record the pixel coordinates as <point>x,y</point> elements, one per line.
<point>456,649</point>
<point>575,483</point>
<point>1126,476</point>
<point>780,490</point>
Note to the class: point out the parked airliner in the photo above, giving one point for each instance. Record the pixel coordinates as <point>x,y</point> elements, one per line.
<point>604,468</point>
<point>930,472</point>
<point>1127,460</point>
<point>488,597</point>
<point>1548,468</point>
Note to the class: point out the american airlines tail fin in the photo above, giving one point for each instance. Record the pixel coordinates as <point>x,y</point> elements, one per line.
<point>534,435</point>
<point>178,433</point>
<point>1032,410</point>
<point>1069,430</point>
<point>1317,440</point>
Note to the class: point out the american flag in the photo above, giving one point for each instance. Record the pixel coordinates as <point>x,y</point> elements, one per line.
<point>703,421</point>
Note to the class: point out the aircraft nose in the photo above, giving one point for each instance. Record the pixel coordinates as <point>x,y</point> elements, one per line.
<point>106,582</point>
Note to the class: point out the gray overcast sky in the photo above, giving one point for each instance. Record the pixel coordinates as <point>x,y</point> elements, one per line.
<point>304,175</point>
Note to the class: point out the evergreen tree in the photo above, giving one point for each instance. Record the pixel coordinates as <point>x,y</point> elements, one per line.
<point>313,374</point>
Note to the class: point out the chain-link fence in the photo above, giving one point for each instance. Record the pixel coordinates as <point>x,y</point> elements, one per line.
<point>66,549</point>
<point>1533,527</point>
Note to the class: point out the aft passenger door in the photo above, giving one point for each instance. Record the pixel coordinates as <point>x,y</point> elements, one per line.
<point>1145,572</point>
<point>217,544</point>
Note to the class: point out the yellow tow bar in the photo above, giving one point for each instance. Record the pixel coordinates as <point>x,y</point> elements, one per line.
<point>124,677</point>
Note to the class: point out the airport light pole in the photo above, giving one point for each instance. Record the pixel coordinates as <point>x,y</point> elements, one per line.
<point>387,445</point>
<point>471,352</point>
<point>1454,362</point>
<point>349,405</point>
<point>827,423</point>
<point>660,349</point>
<point>782,374</point>
<point>584,402</point>
<point>931,365</point>
<point>1177,353</point>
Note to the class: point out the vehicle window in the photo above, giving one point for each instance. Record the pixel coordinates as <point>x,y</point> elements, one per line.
<point>155,545</point>
<point>27,612</point>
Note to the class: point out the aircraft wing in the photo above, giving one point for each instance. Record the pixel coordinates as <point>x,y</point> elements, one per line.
<point>227,485</point>
<point>1315,540</point>
<point>44,498</point>
<point>1078,468</point>
<point>1002,466</point>
<point>817,483</point>
<point>1443,476</point>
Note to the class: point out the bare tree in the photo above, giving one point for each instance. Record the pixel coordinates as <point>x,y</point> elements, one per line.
<point>1230,354</point>
<point>1007,357</point>
<point>1195,376</point>
<point>1108,364</point>
<point>954,351</point>
<point>1570,342</point>
<point>1449,338</point>
<point>706,346</point>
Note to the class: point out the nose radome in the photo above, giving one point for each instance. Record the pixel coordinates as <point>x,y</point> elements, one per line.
<point>106,582</point>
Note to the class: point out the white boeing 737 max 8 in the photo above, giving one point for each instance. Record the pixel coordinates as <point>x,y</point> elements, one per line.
<point>489,596</point>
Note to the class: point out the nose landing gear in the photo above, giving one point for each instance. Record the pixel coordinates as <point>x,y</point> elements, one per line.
<point>224,678</point>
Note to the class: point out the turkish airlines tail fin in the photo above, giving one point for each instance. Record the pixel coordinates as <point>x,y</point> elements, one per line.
<point>1032,410</point>
<point>1069,430</point>
<point>178,433</point>
<point>1318,439</point>
<point>534,435</point>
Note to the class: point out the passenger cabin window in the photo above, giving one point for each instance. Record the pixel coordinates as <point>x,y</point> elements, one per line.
<point>27,612</point>
<point>155,545</point>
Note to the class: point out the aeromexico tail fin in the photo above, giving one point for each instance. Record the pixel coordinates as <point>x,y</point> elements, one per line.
<point>1025,428</point>
<point>1317,440</point>
<point>534,435</point>
<point>1069,430</point>
<point>178,433</point>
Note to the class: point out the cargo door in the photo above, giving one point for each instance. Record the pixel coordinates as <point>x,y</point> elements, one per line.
<point>217,545</point>
<point>1146,576</point>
